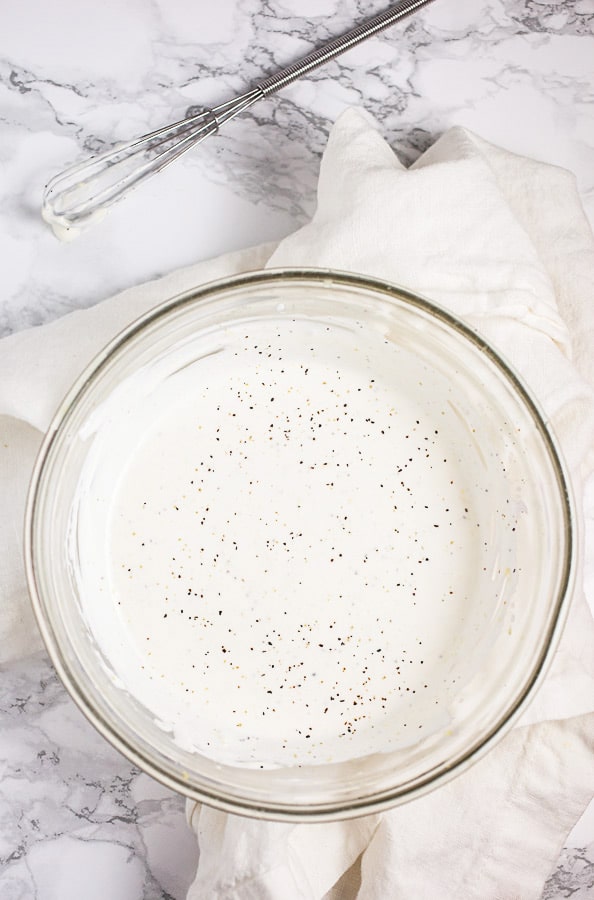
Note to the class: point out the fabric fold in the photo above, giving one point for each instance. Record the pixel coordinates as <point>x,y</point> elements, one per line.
<point>466,227</point>
<point>502,242</point>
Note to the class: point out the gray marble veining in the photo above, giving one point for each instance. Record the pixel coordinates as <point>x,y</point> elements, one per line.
<point>76,818</point>
<point>518,73</point>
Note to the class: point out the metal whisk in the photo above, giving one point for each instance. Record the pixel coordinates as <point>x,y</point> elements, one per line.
<point>81,194</point>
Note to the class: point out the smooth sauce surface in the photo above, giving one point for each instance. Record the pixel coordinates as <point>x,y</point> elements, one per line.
<point>289,545</point>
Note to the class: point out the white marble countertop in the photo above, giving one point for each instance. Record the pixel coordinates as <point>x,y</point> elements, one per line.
<point>76,819</point>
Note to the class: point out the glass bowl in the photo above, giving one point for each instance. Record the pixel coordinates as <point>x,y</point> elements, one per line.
<point>300,544</point>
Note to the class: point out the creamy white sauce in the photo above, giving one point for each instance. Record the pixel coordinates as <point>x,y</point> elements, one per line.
<point>281,545</point>
<point>63,229</point>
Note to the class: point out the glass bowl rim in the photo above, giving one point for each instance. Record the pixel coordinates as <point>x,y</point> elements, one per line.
<point>335,810</point>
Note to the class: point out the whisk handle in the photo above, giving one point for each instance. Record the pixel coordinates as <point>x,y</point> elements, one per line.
<point>339,45</point>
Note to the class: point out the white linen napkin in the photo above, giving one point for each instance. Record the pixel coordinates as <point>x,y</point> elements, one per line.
<point>501,241</point>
